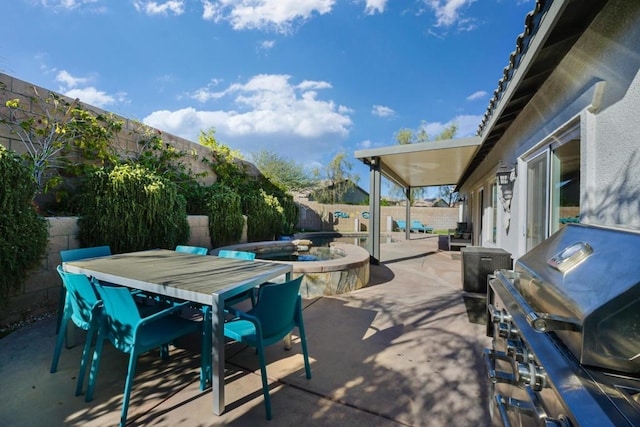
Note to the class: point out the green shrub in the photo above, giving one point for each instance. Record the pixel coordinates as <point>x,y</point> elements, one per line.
<point>24,233</point>
<point>225,215</point>
<point>130,208</point>
<point>265,216</point>
<point>290,211</point>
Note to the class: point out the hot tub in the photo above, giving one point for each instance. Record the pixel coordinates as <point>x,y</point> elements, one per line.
<point>346,271</point>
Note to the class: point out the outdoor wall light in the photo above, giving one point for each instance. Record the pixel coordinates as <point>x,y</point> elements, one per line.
<point>503,174</point>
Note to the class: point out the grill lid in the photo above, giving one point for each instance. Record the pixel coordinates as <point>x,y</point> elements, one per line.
<point>584,284</point>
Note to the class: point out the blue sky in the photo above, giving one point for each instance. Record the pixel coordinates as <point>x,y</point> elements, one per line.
<point>305,79</point>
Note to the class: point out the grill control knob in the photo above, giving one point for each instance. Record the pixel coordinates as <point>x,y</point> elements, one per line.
<point>529,374</point>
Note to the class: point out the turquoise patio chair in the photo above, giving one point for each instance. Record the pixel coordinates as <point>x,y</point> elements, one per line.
<point>277,312</point>
<point>225,253</point>
<point>196,250</point>
<point>206,313</point>
<point>82,306</point>
<point>75,255</point>
<point>130,333</point>
<point>402,225</point>
<point>248,256</point>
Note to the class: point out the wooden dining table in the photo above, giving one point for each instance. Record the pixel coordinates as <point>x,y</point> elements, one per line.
<point>205,280</point>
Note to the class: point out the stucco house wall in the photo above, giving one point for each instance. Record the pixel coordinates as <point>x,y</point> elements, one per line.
<point>596,87</point>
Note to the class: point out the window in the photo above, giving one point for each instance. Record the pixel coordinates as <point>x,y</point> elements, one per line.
<point>565,191</point>
<point>553,187</point>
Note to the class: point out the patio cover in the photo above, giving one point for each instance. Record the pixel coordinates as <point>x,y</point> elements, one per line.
<point>411,166</point>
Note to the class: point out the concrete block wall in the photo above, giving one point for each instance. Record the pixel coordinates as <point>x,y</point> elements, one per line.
<point>41,290</point>
<point>126,141</point>
<point>315,216</point>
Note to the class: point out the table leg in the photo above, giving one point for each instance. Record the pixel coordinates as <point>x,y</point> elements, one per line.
<point>205,371</point>
<point>287,340</point>
<point>217,354</point>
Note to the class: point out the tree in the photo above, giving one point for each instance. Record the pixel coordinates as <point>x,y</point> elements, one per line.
<point>338,179</point>
<point>409,136</point>
<point>285,173</point>
<point>63,136</point>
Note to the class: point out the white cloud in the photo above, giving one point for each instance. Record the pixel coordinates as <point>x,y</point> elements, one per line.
<point>364,145</point>
<point>375,6</point>
<point>477,95</point>
<point>309,84</point>
<point>277,15</point>
<point>467,126</point>
<point>269,113</point>
<point>70,81</point>
<point>448,13</point>
<point>205,94</point>
<point>159,8</point>
<point>267,44</point>
<point>91,6</point>
<point>66,4</point>
<point>92,96</point>
<point>77,87</point>
<point>382,111</point>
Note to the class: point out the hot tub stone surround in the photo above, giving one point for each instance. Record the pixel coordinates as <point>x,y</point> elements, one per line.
<point>327,277</point>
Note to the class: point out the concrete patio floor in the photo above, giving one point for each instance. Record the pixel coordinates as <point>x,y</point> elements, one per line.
<point>405,351</point>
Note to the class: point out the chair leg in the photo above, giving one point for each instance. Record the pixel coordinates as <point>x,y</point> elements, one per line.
<point>305,353</point>
<point>131,372</point>
<point>164,352</point>
<point>62,331</point>
<point>61,306</point>
<point>86,352</point>
<point>265,382</point>
<point>303,338</point>
<point>95,365</point>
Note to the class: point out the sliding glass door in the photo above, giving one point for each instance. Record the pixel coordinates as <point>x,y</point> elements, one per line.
<point>537,199</point>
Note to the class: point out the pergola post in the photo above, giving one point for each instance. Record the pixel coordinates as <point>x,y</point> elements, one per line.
<point>374,210</point>
<point>407,215</point>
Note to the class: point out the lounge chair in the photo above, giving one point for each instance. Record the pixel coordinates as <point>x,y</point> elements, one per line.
<point>418,227</point>
<point>402,225</point>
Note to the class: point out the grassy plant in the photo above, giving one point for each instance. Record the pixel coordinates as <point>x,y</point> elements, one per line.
<point>24,233</point>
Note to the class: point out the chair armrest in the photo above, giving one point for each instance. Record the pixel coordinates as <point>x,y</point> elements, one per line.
<point>243,315</point>
<point>163,313</point>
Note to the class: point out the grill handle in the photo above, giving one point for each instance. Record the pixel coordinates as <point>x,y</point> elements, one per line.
<point>540,322</point>
<point>544,322</point>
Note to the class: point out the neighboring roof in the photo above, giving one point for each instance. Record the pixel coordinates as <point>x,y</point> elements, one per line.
<point>551,30</point>
<point>328,184</point>
<point>425,163</point>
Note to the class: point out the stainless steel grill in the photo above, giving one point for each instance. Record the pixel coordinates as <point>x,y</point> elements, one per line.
<point>566,331</point>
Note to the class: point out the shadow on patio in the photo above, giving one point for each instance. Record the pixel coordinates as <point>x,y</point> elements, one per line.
<point>404,351</point>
